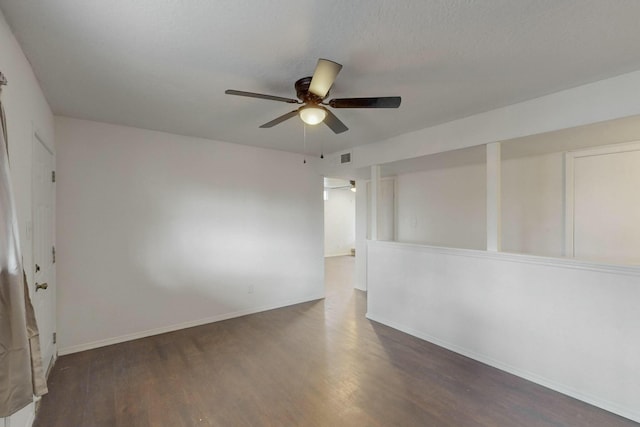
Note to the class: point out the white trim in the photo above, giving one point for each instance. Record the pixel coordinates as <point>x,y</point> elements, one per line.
<point>629,413</point>
<point>606,149</point>
<point>569,263</point>
<point>190,324</point>
<point>569,185</point>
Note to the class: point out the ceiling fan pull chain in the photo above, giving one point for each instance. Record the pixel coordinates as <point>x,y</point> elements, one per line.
<point>304,142</point>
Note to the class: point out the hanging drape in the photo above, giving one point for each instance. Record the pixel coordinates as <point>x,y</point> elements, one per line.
<point>21,373</point>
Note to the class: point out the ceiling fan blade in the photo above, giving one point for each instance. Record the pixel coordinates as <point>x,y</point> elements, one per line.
<point>261,96</point>
<point>334,123</point>
<point>280,119</point>
<point>323,77</point>
<point>377,102</point>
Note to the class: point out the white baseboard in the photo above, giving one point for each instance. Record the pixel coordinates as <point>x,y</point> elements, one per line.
<point>156,331</point>
<point>630,413</point>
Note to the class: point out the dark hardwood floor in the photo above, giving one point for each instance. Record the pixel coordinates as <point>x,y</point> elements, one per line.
<point>315,364</point>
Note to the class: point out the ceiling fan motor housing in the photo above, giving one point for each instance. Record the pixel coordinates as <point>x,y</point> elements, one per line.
<point>303,94</point>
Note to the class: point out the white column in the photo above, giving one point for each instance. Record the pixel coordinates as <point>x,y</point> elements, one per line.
<point>375,199</point>
<point>494,229</point>
<point>569,177</point>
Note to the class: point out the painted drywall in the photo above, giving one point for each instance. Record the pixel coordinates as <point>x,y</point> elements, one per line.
<point>607,99</point>
<point>447,206</point>
<point>443,207</point>
<point>386,215</point>
<point>533,205</point>
<point>159,231</point>
<point>27,111</point>
<point>339,222</point>
<point>566,324</point>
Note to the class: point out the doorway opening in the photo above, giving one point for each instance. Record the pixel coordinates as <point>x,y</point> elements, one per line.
<point>339,217</point>
<point>339,237</point>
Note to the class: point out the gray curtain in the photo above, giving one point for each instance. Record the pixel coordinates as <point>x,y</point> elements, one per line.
<point>21,373</point>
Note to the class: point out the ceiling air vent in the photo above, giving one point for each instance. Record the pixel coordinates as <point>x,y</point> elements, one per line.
<point>345,158</point>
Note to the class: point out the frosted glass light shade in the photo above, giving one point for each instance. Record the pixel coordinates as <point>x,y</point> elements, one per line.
<point>312,115</point>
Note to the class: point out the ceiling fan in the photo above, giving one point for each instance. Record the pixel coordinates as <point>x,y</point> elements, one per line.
<point>312,91</point>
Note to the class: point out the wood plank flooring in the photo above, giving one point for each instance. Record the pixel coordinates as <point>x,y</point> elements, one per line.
<point>315,364</point>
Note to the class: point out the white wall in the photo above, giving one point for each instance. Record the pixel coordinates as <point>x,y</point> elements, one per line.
<point>159,231</point>
<point>447,206</point>
<point>27,111</point>
<point>443,207</point>
<point>594,102</point>
<point>568,325</point>
<point>386,215</point>
<point>339,222</point>
<point>533,205</point>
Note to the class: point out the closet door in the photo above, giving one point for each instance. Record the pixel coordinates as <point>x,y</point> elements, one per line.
<point>43,292</point>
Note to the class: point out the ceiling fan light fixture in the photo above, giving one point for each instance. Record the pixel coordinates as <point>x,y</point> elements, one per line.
<point>312,114</point>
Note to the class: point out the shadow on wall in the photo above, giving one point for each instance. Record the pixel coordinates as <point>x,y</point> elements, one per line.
<point>189,262</point>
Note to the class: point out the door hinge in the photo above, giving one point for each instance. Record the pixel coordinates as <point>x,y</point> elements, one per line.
<point>53,176</point>
<point>53,254</point>
<point>55,337</point>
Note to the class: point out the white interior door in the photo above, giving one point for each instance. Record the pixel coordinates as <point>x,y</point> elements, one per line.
<point>43,292</point>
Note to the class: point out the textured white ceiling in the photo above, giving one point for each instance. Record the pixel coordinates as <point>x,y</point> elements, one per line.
<point>164,64</point>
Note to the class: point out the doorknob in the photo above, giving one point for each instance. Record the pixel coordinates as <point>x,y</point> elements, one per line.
<point>37,268</point>
<point>41,286</point>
